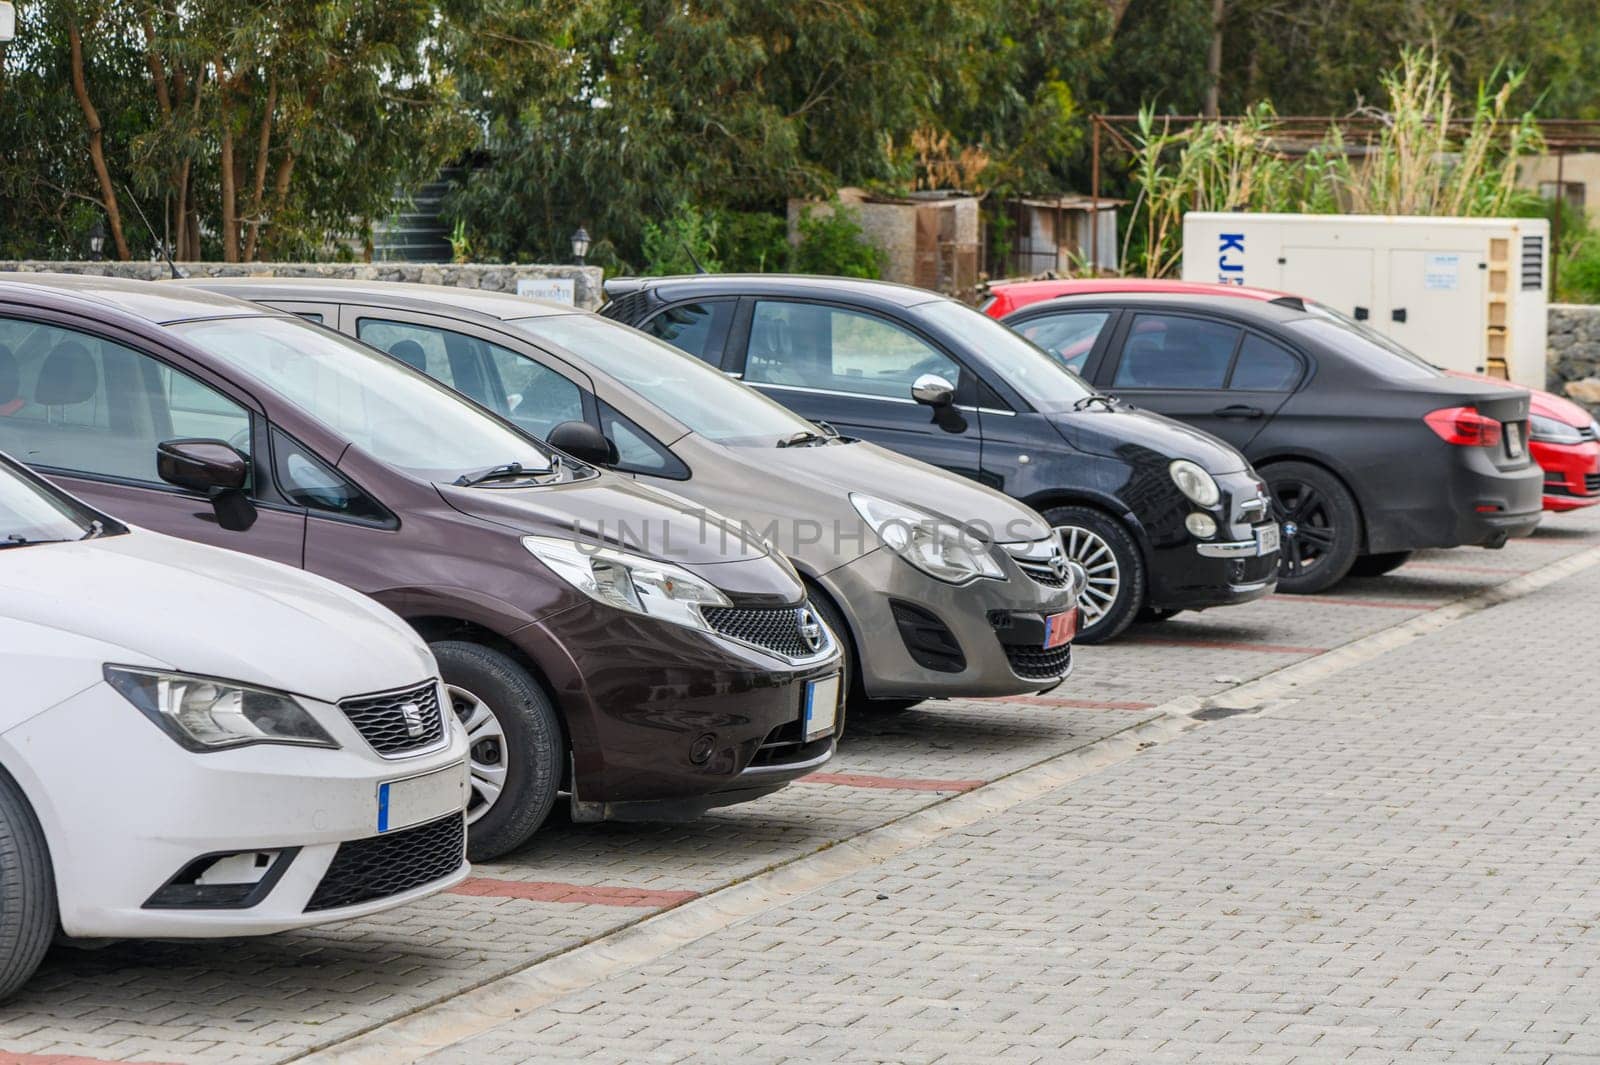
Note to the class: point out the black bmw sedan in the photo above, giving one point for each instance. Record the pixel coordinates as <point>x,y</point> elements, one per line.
<point>1370,452</point>
<point>1161,517</point>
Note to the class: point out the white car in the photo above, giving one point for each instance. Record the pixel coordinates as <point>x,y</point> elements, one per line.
<point>197,743</point>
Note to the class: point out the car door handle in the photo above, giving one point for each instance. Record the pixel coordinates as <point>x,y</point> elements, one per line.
<point>1239,410</point>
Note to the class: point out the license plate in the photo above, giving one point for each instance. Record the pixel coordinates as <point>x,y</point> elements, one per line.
<point>1514,439</point>
<point>1268,539</point>
<point>403,803</point>
<point>1060,628</point>
<point>821,707</point>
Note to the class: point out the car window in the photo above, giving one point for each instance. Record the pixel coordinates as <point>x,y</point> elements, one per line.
<point>1029,369</point>
<point>307,481</point>
<point>1070,336</point>
<point>93,406</point>
<point>31,512</point>
<point>393,413</point>
<point>534,396</point>
<point>698,328</point>
<point>1176,351</point>
<point>706,401</point>
<point>814,346</point>
<point>637,450</point>
<point>1360,341</point>
<point>1264,366</point>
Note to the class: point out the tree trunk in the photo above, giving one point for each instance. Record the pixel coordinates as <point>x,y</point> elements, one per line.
<point>263,142</point>
<point>230,203</point>
<point>97,155</point>
<point>1214,61</point>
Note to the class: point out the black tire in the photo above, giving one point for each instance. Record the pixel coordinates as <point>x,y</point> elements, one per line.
<point>1379,564</point>
<point>531,751</point>
<point>1321,527</point>
<point>1116,590</point>
<point>28,913</point>
<point>850,684</point>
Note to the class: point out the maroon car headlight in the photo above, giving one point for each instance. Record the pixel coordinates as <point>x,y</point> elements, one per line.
<point>629,582</point>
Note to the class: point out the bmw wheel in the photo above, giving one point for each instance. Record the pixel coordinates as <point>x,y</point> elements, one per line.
<point>1115,588</point>
<point>1321,526</point>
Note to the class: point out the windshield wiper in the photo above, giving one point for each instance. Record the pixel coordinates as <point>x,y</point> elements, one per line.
<point>18,540</point>
<point>1108,402</point>
<point>804,438</point>
<point>495,473</point>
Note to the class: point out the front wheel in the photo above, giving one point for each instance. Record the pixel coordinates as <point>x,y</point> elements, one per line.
<point>1116,578</point>
<point>1321,527</point>
<point>514,745</point>
<point>27,890</point>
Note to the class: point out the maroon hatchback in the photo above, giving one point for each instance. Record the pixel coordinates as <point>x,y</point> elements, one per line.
<point>597,637</point>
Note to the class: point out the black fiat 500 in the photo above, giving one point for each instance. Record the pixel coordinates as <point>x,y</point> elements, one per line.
<point>1161,517</point>
<point>1370,453</point>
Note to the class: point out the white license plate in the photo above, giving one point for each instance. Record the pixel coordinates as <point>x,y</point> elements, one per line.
<point>821,707</point>
<point>1514,439</point>
<point>403,803</point>
<point>1268,538</point>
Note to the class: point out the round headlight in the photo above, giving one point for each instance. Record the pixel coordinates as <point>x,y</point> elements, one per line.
<point>1195,482</point>
<point>1201,525</point>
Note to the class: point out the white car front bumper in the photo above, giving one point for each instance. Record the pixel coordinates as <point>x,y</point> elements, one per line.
<point>129,815</point>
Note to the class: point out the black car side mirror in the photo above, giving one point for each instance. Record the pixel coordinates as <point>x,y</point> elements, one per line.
<point>214,469</point>
<point>583,442</point>
<point>933,390</point>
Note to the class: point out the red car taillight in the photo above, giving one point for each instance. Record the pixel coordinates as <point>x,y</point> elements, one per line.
<point>1464,426</point>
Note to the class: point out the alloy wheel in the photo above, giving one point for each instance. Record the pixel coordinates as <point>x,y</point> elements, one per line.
<point>1307,523</point>
<point>1099,563</point>
<point>486,750</point>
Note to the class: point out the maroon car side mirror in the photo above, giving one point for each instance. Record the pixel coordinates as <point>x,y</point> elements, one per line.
<point>214,469</point>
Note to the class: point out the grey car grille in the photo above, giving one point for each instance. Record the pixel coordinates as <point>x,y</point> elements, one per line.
<point>1042,560</point>
<point>781,631</point>
<point>398,722</point>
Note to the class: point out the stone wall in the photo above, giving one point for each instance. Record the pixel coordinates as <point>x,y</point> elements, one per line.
<point>1573,355</point>
<point>496,278</point>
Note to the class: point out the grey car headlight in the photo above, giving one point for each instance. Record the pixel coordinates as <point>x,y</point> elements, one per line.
<point>1549,431</point>
<point>207,714</point>
<point>629,582</point>
<point>940,549</point>
<point>1193,481</point>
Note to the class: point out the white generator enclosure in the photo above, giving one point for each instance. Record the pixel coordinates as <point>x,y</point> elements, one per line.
<point>1464,293</point>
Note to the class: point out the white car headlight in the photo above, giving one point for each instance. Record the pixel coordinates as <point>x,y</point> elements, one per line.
<point>938,548</point>
<point>1193,481</point>
<point>629,582</point>
<point>1550,431</point>
<point>207,714</point>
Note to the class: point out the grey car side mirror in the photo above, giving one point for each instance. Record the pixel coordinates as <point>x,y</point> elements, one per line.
<point>933,390</point>
<point>583,442</point>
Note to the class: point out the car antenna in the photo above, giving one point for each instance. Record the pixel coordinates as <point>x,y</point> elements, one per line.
<point>178,275</point>
<point>699,269</point>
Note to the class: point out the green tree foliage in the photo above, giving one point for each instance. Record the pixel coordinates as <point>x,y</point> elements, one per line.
<point>831,242</point>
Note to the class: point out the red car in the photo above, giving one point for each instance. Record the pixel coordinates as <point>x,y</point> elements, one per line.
<point>1563,438</point>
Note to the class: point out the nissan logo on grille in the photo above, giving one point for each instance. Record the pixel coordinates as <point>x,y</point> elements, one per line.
<point>411,713</point>
<point>811,629</point>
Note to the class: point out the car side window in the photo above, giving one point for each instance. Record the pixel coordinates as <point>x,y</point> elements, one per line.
<point>1264,366</point>
<point>530,394</point>
<point>1069,336</point>
<point>698,328</point>
<point>306,481</point>
<point>815,346</point>
<point>1176,351</point>
<point>637,450</point>
<point>93,406</point>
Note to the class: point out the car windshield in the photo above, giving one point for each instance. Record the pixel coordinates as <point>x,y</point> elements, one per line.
<point>393,413</point>
<point>1029,369</point>
<point>32,514</point>
<point>1364,343</point>
<point>702,397</point>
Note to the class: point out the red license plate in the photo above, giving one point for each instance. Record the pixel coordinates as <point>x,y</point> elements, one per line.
<point>1060,628</point>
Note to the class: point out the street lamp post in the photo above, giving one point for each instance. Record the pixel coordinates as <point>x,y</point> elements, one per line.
<point>580,244</point>
<point>97,240</point>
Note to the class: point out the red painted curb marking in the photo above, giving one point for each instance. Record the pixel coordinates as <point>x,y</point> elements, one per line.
<point>1377,604</point>
<point>1226,645</point>
<point>9,1058</point>
<point>576,894</point>
<point>1073,704</point>
<point>861,780</point>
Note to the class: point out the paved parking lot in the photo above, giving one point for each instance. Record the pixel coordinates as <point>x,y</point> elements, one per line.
<point>1391,858</point>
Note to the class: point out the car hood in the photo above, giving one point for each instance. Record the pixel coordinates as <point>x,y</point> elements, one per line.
<point>1544,404</point>
<point>615,511</point>
<point>219,613</point>
<point>1122,431</point>
<point>837,470</point>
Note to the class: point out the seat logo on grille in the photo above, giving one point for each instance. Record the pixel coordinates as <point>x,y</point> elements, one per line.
<point>411,713</point>
<point>810,629</point>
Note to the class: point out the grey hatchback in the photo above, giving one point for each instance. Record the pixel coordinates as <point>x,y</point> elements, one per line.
<point>944,587</point>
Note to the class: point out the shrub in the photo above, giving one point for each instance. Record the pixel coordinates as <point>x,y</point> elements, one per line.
<point>833,243</point>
